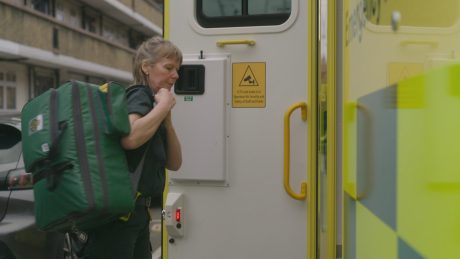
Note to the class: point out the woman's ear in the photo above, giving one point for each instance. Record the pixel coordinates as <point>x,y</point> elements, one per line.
<point>145,67</point>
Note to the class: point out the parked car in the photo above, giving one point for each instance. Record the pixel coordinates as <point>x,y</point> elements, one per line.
<point>19,237</point>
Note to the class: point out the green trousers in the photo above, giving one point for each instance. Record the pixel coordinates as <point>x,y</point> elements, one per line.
<point>122,239</point>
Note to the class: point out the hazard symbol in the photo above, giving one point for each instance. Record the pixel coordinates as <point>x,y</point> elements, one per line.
<point>249,79</point>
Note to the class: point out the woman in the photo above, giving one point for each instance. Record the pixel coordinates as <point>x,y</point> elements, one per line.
<point>150,102</point>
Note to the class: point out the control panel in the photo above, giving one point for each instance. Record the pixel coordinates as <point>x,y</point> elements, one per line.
<point>173,215</point>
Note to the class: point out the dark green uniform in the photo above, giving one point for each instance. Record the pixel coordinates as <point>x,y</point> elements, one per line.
<point>152,182</point>
<point>131,239</point>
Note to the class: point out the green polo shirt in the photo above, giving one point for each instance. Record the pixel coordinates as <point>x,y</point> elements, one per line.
<point>140,100</point>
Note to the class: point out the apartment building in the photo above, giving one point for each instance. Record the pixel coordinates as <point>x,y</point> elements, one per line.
<point>44,43</point>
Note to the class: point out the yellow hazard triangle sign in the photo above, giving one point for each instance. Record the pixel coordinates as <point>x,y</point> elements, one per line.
<point>249,79</point>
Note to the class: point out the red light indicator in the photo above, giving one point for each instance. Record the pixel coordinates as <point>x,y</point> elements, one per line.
<point>178,214</point>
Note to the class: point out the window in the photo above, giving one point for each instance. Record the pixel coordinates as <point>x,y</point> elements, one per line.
<point>114,31</point>
<point>135,38</point>
<point>10,144</point>
<point>96,80</point>
<point>91,20</point>
<point>44,6</point>
<point>157,4</point>
<point>239,13</point>
<point>8,90</point>
<point>74,19</point>
<point>75,76</point>
<point>44,79</point>
<point>60,12</point>
<point>86,78</point>
<point>10,97</point>
<point>69,12</point>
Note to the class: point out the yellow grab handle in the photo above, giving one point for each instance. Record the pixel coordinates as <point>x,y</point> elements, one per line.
<point>430,43</point>
<point>287,146</point>
<point>222,43</point>
<point>350,186</point>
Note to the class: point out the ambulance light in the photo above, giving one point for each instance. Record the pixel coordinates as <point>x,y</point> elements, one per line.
<point>178,214</point>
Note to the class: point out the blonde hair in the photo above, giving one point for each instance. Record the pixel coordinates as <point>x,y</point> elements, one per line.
<point>151,51</point>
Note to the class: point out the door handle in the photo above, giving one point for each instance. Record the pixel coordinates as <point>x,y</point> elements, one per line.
<point>351,187</point>
<point>430,43</point>
<point>222,43</point>
<point>287,154</point>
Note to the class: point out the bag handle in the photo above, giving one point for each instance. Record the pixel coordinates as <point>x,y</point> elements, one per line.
<point>136,175</point>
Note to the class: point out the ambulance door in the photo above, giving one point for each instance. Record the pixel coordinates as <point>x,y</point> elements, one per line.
<point>400,104</point>
<point>244,116</point>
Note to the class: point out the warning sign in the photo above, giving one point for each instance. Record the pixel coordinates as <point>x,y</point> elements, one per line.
<point>249,79</point>
<point>248,85</point>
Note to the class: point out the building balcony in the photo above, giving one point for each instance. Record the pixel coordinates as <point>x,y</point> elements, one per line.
<point>139,14</point>
<point>44,40</point>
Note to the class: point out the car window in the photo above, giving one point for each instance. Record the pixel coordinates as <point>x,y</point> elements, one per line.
<point>10,144</point>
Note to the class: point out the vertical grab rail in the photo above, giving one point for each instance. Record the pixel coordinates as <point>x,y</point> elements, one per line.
<point>287,148</point>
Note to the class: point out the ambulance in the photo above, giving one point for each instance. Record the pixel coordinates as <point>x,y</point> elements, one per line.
<point>315,129</point>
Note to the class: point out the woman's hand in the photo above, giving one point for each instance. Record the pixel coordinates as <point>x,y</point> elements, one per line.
<point>165,99</point>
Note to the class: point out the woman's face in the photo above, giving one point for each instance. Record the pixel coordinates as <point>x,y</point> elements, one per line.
<point>162,74</point>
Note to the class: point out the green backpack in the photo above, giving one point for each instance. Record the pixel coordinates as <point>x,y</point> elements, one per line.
<point>71,143</point>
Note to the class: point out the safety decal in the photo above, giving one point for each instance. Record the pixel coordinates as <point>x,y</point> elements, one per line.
<point>248,85</point>
<point>36,124</point>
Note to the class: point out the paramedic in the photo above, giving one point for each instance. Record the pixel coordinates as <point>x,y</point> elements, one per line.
<point>150,102</point>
